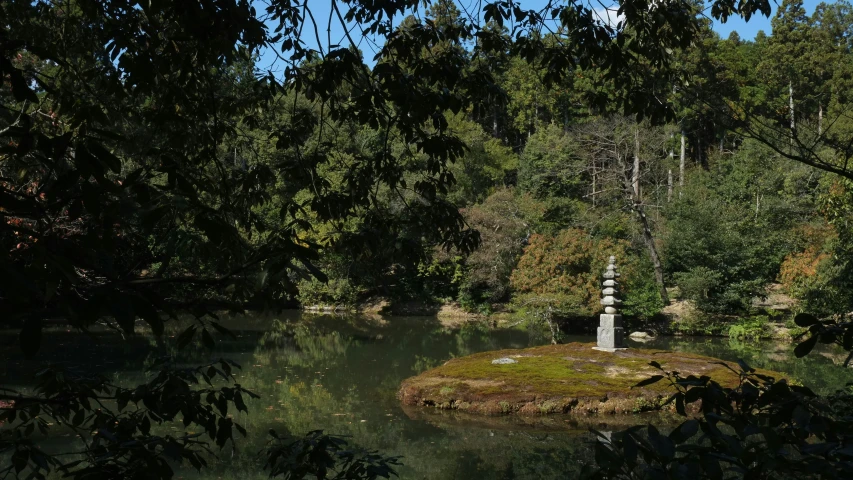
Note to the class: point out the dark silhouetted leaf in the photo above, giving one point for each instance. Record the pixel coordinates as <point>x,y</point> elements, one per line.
<point>806,346</point>
<point>805,320</point>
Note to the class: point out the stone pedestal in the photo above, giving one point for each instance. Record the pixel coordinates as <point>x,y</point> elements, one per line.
<point>611,334</point>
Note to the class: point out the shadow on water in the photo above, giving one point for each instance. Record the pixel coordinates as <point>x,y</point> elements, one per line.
<point>341,375</point>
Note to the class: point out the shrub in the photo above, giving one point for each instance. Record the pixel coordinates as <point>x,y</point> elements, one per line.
<point>337,292</point>
<point>565,272</point>
<point>750,329</point>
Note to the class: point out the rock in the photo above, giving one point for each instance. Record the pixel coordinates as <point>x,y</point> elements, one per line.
<point>640,336</point>
<point>503,361</point>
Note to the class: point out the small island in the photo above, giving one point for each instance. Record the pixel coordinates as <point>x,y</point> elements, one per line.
<point>570,378</point>
<point>574,378</point>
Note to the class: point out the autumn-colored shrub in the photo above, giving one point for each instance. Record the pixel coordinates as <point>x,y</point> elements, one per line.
<point>820,274</point>
<point>565,272</point>
<point>503,221</point>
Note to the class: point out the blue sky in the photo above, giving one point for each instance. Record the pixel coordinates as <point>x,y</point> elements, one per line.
<point>747,30</point>
<point>321,10</point>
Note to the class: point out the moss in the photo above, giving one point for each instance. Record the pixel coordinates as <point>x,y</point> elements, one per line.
<point>557,378</point>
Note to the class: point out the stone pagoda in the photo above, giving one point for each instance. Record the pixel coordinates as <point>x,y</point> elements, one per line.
<point>611,334</point>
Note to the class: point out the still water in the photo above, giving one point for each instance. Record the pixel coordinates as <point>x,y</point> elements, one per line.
<point>341,375</point>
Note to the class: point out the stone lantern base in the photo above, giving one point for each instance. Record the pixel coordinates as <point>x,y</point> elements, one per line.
<point>611,334</point>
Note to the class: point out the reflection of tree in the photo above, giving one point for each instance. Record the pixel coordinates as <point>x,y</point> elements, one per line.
<point>344,381</point>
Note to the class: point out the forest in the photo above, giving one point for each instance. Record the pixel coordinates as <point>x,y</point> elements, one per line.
<point>160,160</point>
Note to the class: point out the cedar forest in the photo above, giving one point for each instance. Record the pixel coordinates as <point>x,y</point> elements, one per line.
<point>162,158</point>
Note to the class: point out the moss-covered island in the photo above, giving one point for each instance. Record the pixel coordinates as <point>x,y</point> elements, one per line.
<point>570,378</point>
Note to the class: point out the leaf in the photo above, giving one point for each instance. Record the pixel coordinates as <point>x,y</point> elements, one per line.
<point>122,310</point>
<point>238,402</point>
<point>319,275</point>
<point>847,338</point>
<point>207,339</point>
<point>107,158</point>
<point>20,459</point>
<point>20,89</point>
<point>224,331</point>
<point>805,347</point>
<point>30,337</point>
<point>663,445</point>
<point>685,431</point>
<point>805,320</point>
<point>649,381</point>
<point>629,446</point>
<point>744,366</point>
<point>186,336</point>
<point>146,310</point>
<point>145,426</point>
<point>711,466</point>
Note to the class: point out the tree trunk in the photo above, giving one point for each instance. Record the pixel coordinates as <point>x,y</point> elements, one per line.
<point>681,162</point>
<point>791,108</point>
<point>495,131</point>
<point>549,319</point>
<point>669,186</point>
<point>649,240</point>
<point>632,190</point>
<point>820,119</point>
<point>594,177</point>
<point>635,173</point>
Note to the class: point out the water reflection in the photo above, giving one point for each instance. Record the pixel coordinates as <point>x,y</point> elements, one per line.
<point>341,375</point>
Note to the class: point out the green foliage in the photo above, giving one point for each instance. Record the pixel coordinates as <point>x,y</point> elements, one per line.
<point>504,222</point>
<point>819,275</point>
<point>564,272</point>
<point>337,292</point>
<point>730,231</point>
<point>749,329</point>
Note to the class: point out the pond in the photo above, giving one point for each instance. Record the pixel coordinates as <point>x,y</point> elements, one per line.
<point>341,375</point>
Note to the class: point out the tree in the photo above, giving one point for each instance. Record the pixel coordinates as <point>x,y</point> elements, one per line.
<point>123,196</point>
<point>616,147</point>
